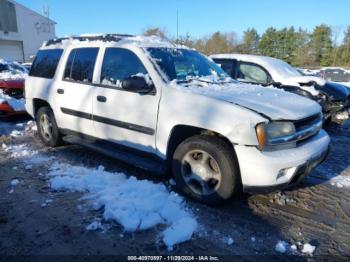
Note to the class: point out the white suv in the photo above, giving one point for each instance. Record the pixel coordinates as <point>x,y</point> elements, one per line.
<point>163,108</point>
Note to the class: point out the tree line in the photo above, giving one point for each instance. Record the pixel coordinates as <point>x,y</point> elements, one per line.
<point>299,47</point>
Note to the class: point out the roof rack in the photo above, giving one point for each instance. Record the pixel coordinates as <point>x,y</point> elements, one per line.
<point>102,37</point>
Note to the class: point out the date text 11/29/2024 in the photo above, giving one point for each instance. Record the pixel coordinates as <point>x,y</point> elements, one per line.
<point>173,258</point>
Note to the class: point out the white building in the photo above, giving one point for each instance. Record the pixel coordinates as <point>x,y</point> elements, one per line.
<point>22,31</point>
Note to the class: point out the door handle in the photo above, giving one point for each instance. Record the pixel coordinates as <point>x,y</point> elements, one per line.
<point>102,99</point>
<point>60,91</point>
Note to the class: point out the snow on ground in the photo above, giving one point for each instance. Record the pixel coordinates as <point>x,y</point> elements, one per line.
<point>26,154</point>
<point>16,104</point>
<point>308,249</point>
<point>17,129</point>
<point>135,204</point>
<point>282,246</point>
<point>340,181</point>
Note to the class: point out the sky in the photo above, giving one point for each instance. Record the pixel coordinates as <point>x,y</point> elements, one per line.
<point>196,17</point>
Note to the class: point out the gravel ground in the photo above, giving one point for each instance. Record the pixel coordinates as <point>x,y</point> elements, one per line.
<point>35,220</point>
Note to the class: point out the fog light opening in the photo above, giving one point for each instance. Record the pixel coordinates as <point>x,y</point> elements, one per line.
<point>286,173</point>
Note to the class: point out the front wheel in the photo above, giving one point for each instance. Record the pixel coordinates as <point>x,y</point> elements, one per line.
<point>47,127</point>
<point>205,168</point>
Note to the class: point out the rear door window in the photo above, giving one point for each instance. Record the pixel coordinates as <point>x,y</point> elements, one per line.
<point>45,63</point>
<point>80,65</point>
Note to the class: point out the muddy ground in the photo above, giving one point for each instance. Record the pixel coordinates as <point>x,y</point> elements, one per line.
<point>315,212</point>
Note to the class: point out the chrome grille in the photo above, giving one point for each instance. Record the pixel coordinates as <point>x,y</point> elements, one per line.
<point>308,127</point>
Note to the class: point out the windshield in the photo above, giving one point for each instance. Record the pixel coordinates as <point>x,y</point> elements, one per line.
<point>184,64</point>
<point>286,70</point>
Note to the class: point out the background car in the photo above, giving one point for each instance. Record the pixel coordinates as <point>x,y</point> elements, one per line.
<point>12,76</point>
<point>333,97</point>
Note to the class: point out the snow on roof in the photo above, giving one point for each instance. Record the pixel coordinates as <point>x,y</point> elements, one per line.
<point>120,39</point>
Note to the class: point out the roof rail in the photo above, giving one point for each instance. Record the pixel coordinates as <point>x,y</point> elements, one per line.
<point>102,37</point>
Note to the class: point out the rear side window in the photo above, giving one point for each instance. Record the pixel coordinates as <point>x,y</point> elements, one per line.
<point>45,63</point>
<point>80,65</point>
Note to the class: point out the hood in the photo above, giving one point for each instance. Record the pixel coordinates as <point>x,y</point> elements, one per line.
<point>335,91</point>
<point>15,84</point>
<point>304,80</point>
<point>274,103</point>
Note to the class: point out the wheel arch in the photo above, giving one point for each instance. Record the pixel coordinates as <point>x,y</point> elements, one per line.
<point>38,103</point>
<point>181,132</point>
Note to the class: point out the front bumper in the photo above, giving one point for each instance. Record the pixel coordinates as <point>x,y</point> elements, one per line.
<point>270,171</point>
<point>8,113</point>
<point>337,112</point>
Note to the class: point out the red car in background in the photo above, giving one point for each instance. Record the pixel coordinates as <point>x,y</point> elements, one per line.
<point>12,77</point>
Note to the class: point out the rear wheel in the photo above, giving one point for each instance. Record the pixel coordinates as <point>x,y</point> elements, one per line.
<point>206,169</point>
<point>47,127</point>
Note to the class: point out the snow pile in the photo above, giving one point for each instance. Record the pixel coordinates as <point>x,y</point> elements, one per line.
<point>230,241</point>
<point>94,226</point>
<point>19,151</point>
<point>27,154</point>
<point>17,130</point>
<point>16,104</point>
<point>282,246</point>
<point>308,249</point>
<point>340,181</point>
<point>14,182</point>
<point>135,204</point>
<point>295,249</point>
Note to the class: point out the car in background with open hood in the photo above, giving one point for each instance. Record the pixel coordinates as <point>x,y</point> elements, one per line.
<point>333,97</point>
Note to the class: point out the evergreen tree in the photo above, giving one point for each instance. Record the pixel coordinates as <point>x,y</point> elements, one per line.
<point>346,48</point>
<point>250,43</point>
<point>268,42</point>
<point>303,53</point>
<point>322,45</point>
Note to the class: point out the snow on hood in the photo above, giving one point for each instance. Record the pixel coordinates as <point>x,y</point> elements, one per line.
<point>13,72</point>
<point>272,102</point>
<point>9,75</point>
<point>298,80</point>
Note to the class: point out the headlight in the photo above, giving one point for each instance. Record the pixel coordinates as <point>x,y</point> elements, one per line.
<point>276,135</point>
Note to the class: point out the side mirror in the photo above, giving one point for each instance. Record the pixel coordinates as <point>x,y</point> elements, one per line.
<point>137,84</point>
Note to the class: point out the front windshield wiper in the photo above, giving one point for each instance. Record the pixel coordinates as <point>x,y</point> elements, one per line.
<point>203,79</point>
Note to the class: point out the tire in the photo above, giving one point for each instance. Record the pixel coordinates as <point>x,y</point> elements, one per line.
<point>205,168</point>
<point>49,134</point>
